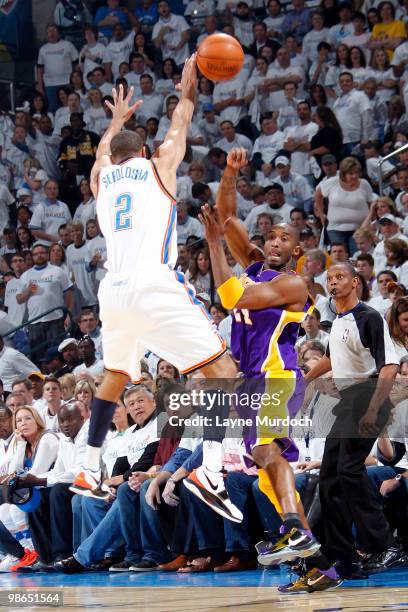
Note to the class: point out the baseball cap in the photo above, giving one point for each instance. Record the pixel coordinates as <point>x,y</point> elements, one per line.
<point>66,343</point>
<point>388,217</point>
<point>393,285</point>
<point>283,160</point>
<point>23,191</point>
<point>208,107</point>
<point>307,232</point>
<point>51,353</point>
<point>38,374</point>
<point>329,159</point>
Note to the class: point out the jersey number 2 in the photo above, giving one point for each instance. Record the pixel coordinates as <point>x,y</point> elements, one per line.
<point>123,209</point>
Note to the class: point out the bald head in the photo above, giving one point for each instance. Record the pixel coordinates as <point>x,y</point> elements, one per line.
<point>346,267</point>
<point>70,420</point>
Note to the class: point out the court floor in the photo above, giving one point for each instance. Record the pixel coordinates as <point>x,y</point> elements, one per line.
<point>241,592</point>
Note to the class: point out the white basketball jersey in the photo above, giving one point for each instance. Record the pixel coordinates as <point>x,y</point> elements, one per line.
<point>137,217</point>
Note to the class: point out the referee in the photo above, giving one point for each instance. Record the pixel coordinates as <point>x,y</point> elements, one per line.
<point>362,358</point>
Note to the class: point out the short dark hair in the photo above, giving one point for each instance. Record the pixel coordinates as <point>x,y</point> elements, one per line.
<point>125,144</point>
<point>367,258</point>
<point>390,273</point>
<point>298,210</point>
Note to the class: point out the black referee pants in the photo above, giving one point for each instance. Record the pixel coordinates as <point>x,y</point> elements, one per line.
<point>346,495</point>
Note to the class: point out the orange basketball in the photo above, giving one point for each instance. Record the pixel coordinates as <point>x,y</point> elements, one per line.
<point>220,57</point>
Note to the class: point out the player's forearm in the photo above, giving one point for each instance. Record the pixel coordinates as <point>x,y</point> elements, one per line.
<point>227,194</point>
<point>221,270</point>
<point>386,448</point>
<point>182,115</point>
<point>41,235</point>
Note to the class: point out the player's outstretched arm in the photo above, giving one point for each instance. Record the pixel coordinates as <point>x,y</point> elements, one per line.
<point>283,290</point>
<point>121,112</point>
<point>236,234</point>
<point>173,149</point>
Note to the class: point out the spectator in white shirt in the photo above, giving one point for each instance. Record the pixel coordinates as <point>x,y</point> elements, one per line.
<point>297,141</point>
<point>89,326</point>
<point>16,151</point>
<point>266,147</point>
<point>77,262</point>
<point>186,225</point>
<point>137,69</point>
<point>311,327</point>
<point>117,51</point>
<point>171,34</point>
<point>56,60</point>
<point>15,311</point>
<point>152,103</point>
<point>52,394</point>
<point>274,206</point>
<point>228,98</point>
<point>345,27</point>
<point>91,54</point>
<point>354,114</point>
<point>243,25</point>
<point>89,363</point>
<point>13,364</point>
<point>281,71</point>
<point>298,192</point>
<point>317,35</point>
<point>231,139</point>
<point>382,301</point>
<point>99,80</point>
<point>49,215</point>
<point>389,228</point>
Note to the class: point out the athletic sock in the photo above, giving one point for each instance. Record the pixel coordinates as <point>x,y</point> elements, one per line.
<point>101,418</point>
<point>212,455</point>
<point>319,561</point>
<point>214,433</point>
<point>291,520</point>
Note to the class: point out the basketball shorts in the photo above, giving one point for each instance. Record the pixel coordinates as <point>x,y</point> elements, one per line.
<point>156,311</point>
<point>273,415</point>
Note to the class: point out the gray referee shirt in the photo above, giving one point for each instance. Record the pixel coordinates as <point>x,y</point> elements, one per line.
<point>359,345</point>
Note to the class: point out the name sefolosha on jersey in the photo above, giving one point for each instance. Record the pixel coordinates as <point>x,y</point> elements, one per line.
<point>145,305</point>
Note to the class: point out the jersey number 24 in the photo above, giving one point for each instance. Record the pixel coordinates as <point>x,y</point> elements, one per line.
<point>123,209</point>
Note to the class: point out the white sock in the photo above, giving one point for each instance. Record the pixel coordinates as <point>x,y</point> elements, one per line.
<point>92,458</point>
<point>213,455</point>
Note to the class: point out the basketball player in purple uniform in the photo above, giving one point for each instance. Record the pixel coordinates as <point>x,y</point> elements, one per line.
<point>269,302</point>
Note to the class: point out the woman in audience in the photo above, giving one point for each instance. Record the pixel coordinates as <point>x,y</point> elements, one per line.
<point>379,208</point>
<point>142,46</point>
<point>329,138</point>
<point>164,86</point>
<point>356,64</point>
<point>57,256</point>
<point>91,229</point>
<point>317,96</point>
<point>396,252</point>
<point>84,393</point>
<point>95,116</point>
<point>349,197</point>
<point>332,77</point>
<point>200,274</point>
<point>383,74</point>
<point>25,239</point>
<point>218,313</point>
<point>34,450</point>
<point>68,384</point>
<point>167,370</point>
<point>77,84</point>
<point>397,318</point>
<point>205,94</point>
<point>87,208</point>
<point>363,291</point>
<point>39,107</point>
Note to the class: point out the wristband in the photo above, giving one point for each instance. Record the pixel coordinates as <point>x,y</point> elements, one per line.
<point>230,292</point>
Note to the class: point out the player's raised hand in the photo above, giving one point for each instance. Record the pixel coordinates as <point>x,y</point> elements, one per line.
<point>121,111</point>
<point>214,230</point>
<point>237,159</point>
<point>188,84</point>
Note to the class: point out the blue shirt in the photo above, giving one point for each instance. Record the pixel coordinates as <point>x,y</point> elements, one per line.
<point>103,12</point>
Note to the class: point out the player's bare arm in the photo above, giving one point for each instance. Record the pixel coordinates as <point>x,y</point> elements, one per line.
<point>321,367</point>
<point>121,112</point>
<point>235,232</point>
<point>173,149</point>
<point>285,290</point>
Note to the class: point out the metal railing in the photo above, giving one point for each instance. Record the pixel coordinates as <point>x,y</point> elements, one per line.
<point>384,159</point>
<point>65,312</point>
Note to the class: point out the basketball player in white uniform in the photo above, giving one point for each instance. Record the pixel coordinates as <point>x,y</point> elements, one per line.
<point>144,303</point>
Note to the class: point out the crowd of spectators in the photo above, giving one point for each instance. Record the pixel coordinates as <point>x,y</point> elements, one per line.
<point>322,95</point>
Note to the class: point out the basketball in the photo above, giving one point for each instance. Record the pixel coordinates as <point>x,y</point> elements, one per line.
<point>220,57</point>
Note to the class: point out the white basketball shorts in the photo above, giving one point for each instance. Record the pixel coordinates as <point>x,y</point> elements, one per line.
<point>155,311</point>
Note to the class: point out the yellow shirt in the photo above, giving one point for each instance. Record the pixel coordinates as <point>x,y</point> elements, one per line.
<point>382,31</point>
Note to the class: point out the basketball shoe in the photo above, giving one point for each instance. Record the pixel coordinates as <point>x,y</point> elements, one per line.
<point>315,580</point>
<point>209,487</point>
<point>293,544</point>
<point>88,483</point>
